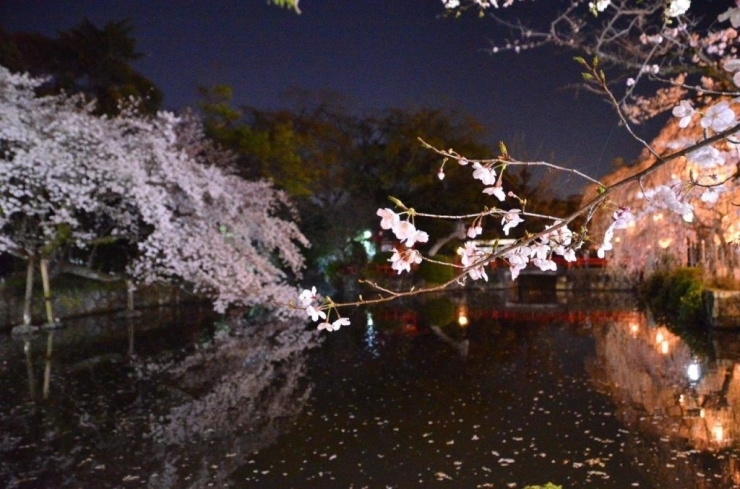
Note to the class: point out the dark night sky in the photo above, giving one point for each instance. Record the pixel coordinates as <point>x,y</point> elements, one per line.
<point>377,53</point>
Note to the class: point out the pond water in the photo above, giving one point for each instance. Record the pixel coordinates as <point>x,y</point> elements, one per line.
<point>464,390</point>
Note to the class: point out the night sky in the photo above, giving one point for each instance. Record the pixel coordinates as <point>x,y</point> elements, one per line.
<point>376,53</point>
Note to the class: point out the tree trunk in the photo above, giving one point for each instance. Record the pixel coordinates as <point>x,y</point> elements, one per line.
<point>47,364</point>
<point>44,266</point>
<point>29,292</point>
<point>130,295</point>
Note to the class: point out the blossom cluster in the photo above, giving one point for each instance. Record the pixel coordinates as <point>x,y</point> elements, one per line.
<point>407,234</point>
<point>310,302</point>
<point>675,8</point>
<point>558,241</point>
<point>621,218</point>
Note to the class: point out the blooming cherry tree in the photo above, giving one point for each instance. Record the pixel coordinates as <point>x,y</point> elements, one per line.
<point>72,178</point>
<point>212,231</point>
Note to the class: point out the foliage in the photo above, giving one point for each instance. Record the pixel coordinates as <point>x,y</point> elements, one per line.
<point>289,4</point>
<point>724,283</point>
<point>675,296</point>
<point>435,273</point>
<point>85,59</point>
<point>438,311</point>
<point>339,167</point>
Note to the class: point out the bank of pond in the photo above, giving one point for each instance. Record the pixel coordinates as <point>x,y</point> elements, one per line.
<point>471,389</point>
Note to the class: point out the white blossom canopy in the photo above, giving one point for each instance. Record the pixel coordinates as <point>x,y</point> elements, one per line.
<point>70,176</point>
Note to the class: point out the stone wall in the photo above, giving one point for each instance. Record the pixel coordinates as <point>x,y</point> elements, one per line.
<point>723,307</point>
<point>85,297</point>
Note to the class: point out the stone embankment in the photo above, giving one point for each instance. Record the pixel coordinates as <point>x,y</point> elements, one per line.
<point>723,307</point>
<point>85,297</point>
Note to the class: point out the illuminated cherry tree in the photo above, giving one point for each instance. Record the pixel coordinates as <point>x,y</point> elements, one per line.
<point>686,211</point>
<point>211,230</point>
<point>58,179</point>
<point>71,178</point>
<point>645,58</point>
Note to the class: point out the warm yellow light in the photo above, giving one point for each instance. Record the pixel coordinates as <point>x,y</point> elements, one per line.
<point>665,242</point>
<point>462,320</point>
<point>659,337</point>
<point>634,328</point>
<point>664,347</point>
<point>718,433</point>
<point>657,216</point>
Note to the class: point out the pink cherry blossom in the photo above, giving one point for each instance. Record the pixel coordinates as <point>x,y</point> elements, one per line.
<point>511,219</point>
<point>485,174</point>
<point>315,313</point>
<point>339,323</point>
<point>497,191</point>
<point>474,231</point>
<point>407,233</point>
<point>719,117</point>
<point>388,218</point>
<point>402,260</point>
<point>685,111</point>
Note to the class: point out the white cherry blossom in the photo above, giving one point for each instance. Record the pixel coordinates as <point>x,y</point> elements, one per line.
<point>599,5</point>
<point>388,218</point>
<point>497,191</point>
<point>677,8</point>
<point>733,15</point>
<point>706,157</point>
<point>485,174</point>
<point>407,233</point>
<point>403,260</point>
<point>338,323</point>
<point>315,313</point>
<point>511,219</point>
<point>719,117</point>
<point>685,111</point>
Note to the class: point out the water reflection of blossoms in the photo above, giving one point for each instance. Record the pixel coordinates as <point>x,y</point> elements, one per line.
<point>661,384</point>
<point>240,395</point>
<point>184,418</point>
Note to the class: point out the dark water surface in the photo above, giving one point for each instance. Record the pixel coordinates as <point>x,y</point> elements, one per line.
<point>474,390</point>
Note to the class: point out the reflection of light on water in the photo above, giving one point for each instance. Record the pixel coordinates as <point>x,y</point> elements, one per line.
<point>634,329</point>
<point>662,343</point>
<point>462,316</point>
<point>722,421</point>
<point>718,433</point>
<point>693,372</point>
<point>371,335</point>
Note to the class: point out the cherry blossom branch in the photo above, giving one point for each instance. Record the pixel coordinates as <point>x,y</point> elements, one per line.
<point>718,123</point>
<point>387,295</point>
<point>449,154</point>
<point>594,75</point>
